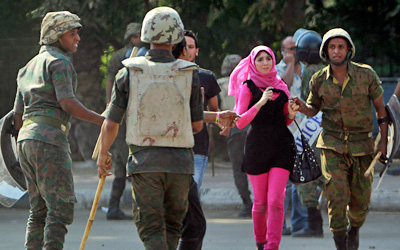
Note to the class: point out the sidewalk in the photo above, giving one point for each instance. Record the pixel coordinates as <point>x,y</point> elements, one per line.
<point>218,190</point>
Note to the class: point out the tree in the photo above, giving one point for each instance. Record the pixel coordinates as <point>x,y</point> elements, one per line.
<point>373,25</point>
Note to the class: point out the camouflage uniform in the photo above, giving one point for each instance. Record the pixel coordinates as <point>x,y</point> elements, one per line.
<point>308,193</point>
<point>308,72</point>
<point>161,175</point>
<point>346,142</point>
<point>120,150</point>
<point>43,149</point>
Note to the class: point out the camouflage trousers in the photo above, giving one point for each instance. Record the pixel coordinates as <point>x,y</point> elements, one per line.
<point>347,190</point>
<point>47,169</point>
<point>160,202</point>
<point>120,153</point>
<point>309,193</point>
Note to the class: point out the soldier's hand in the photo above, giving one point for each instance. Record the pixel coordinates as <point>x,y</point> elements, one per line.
<point>299,104</point>
<point>382,147</point>
<point>228,118</point>
<point>104,164</point>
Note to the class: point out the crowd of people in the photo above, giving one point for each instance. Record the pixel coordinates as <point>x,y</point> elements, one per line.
<point>158,103</point>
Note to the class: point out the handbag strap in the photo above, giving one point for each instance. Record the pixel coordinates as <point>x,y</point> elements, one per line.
<point>298,127</point>
<point>303,138</point>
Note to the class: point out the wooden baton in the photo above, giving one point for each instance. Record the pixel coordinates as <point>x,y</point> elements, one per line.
<point>96,197</point>
<point>372,165</point>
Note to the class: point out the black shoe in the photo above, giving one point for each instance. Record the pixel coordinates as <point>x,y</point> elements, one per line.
<point>353,238</point>
<point>286,231</point>
<point>340,241</point>
<point>245,213</point>
<point>118,215</point>
<point>308,232</point>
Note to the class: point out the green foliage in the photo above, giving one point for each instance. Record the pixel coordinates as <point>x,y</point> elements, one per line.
<point>373,25</point>
<point>16,19</point>
<point>223,27</point>
<point>105,58</point>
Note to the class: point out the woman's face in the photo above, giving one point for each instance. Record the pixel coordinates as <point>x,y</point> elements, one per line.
<point>263,62</point>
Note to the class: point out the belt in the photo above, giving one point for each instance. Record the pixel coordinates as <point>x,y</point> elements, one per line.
<point>49,121</point>
<point>345,136</point>
<point>134,148</point>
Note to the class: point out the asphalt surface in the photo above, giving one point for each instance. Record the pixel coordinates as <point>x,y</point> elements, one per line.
<point>224,231</point>
<point>218,190</point>
<point>221,203</point>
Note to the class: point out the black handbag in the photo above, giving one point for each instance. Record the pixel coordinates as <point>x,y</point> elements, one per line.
<point>306,167</point>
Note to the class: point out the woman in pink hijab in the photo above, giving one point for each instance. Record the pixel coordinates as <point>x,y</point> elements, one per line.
<point>262,99</point>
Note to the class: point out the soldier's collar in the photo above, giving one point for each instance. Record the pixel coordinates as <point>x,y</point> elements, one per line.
<point>350,70</point>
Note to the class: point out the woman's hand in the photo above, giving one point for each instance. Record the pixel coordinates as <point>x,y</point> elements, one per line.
<point>267,95</point>
<point>293,108</point>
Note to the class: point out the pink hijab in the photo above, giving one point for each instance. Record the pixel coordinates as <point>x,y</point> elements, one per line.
<point>246,70</point>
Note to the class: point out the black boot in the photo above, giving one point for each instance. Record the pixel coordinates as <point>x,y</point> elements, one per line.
<point>353,238</point>
<point>114,212</point>
<point>248,206</point>
<point>314,225</point>
<point>340,241</point>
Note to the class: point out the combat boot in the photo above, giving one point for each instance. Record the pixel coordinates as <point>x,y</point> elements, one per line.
<point>353,238</point>
<point>340,241</point>
<point>114,212</point>
<point>314,225</point>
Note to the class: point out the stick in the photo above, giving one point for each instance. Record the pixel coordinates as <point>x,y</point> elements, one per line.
<point>381,178</point>
<point>92,212</point>
<point>320,199</point>
<point>96,197</point>
<point>135,50</point>
<point>372,165</point>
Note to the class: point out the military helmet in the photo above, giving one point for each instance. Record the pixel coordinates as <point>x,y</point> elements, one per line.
<point>132,29</point>
<point>55,24</point>
<point>162,25</point>
<point>229,64</point>
<point>307,47</point>
<point>337,32</point>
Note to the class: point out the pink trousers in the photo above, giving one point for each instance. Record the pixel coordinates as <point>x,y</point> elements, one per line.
<point>268,206</point>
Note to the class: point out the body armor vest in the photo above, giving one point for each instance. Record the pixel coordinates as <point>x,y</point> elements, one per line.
<point>158,112</point>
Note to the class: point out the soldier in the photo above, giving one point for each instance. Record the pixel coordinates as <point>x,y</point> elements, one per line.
<point>162,99</point>
<point>43,106</point>
<point>307,52</point>
<point>236,138</point>
<point>343,91</point>
<point>132,39</point>
<point>120,150</point>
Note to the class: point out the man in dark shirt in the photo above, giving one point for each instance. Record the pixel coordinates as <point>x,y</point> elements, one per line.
<point>211,90</point>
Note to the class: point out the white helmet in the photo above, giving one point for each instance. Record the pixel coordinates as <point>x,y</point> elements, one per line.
<point>337,32</point>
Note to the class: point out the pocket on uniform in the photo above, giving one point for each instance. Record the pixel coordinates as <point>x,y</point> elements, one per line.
<point>62,205</point>
<point>360,90</point>
<point>65,197</point>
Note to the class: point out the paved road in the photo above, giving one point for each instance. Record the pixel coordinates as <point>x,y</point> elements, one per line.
<point>381,232</point>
